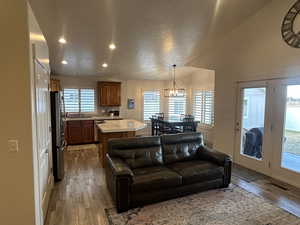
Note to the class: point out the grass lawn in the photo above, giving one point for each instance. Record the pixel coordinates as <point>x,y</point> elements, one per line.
<point>292,142</point>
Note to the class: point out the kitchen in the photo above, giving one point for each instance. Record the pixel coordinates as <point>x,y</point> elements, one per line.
<point>90,116</point>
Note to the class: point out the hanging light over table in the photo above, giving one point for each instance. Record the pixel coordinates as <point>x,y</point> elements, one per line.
<point>174,91</point>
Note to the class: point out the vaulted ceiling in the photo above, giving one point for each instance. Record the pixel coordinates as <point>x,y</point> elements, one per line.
<point>150,35</point>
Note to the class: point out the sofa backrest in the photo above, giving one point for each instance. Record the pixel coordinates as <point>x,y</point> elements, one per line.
<point>180,147</point>
<point>137,152</point>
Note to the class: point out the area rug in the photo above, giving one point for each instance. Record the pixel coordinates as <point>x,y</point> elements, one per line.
<point>81,147</point>
<point>232,206</point>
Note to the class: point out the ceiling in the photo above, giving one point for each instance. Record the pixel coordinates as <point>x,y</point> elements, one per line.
<point>150,35</point>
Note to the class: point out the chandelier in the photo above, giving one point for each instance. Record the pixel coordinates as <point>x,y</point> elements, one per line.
<point>174,91</point>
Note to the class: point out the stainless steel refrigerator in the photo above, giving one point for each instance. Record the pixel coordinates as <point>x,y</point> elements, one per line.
<point>58,143</point>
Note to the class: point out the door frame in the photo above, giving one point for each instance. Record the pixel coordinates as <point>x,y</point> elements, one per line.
<point>45,198</point>
<point>262,166</point>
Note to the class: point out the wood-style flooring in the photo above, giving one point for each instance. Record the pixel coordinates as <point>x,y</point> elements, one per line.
<point>80,199</point>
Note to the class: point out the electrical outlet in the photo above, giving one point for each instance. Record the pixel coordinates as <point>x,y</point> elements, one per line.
<point>13,145</point>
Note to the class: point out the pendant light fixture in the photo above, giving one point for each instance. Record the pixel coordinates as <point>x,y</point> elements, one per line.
<point>174,91</point>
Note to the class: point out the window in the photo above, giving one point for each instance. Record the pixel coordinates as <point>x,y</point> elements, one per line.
<point>246,108</point>
<point>151,103</point>
<point>203,107</point>
<point>177,107</point>
<point>79,100</point>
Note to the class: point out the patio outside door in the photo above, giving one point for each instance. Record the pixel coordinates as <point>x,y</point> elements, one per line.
<point>253,126</point>
<point>268,128</point>
<point>286,141</point>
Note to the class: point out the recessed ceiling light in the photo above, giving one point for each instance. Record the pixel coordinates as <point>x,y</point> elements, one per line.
<point>62,40</point>
<point>64,62</point>
<point>112,46</point>
<point>104,65</point>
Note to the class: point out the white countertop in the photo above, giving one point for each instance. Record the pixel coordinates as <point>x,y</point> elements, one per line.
<point>95,118</point>
<point>113,126</point>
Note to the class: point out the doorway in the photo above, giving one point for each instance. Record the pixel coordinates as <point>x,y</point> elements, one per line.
<point>268,128</point>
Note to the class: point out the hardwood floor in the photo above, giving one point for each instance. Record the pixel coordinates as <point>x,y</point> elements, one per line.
<point>80,199</point>
<point>283,195</point>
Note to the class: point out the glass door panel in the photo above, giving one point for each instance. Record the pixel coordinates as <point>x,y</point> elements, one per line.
<point>253,122</point>
<point>290,158</point>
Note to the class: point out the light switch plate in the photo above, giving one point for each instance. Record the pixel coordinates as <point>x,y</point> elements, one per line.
<point>13,145</point>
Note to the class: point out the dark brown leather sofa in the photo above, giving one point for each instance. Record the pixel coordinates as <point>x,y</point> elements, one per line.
<point>149,169</point>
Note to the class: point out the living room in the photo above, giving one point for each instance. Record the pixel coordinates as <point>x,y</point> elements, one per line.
<point>145,112</point>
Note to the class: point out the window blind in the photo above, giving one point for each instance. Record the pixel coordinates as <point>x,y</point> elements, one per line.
<point>79,100</point>
<point>87,100</point>
<point>203,107</point>
<point>151,103</point>
<point>71,99</point>
<point>177,107</point>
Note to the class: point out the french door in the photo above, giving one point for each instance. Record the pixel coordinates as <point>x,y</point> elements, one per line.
<point>268,128</point>
<point>286,132</point>
<point>253,126</point>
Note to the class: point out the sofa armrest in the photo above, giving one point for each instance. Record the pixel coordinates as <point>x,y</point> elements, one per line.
<point>118,166</point>
<point>213,156</point>
<point>119,178</point>
<point>219,158</point>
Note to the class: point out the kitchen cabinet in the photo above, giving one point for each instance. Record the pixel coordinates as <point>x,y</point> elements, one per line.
<point>80,132</point>
<point>55,85</point>
<point>87,128</point>
<point>109,93</point>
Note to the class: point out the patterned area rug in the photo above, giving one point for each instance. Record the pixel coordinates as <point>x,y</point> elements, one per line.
<point>232,206</point>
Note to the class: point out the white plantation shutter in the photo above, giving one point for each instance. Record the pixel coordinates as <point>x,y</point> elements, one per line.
<point>87,100</point>
<point>71,99</point>
<point>177,107</point>
<point>151,103</point>
<point>209,108</point>
<point>198,105</point>
<point>79,100</point>
<point>203,107</point>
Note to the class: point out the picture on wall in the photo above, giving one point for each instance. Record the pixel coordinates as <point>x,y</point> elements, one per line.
<point>130,103</point>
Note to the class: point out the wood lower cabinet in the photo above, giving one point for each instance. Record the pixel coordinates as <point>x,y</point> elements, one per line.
<point>87,128</point>
<point>109,93</point>
<point>80,132</point>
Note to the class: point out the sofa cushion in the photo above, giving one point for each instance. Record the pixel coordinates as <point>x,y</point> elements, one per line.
<point>181,147</point>
<point>137,152</point>
<point>153,178</point>
<point>197,171</point>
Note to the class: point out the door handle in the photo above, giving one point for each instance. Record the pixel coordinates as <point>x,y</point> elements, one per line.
<point>237,127</point>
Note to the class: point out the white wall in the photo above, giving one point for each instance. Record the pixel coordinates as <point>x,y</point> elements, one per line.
<point>16,169</point>
<point>254,50</point>
<point>129,89</point>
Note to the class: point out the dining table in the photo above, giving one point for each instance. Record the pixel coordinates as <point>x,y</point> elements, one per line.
<point>176,124</point>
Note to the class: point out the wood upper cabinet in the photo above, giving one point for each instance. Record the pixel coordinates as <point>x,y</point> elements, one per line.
<point>55,85</point>
<point>109,93</point>
<point>80,132</point>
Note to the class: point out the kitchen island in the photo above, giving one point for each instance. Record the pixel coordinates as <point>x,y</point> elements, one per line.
<point>116,129</point>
